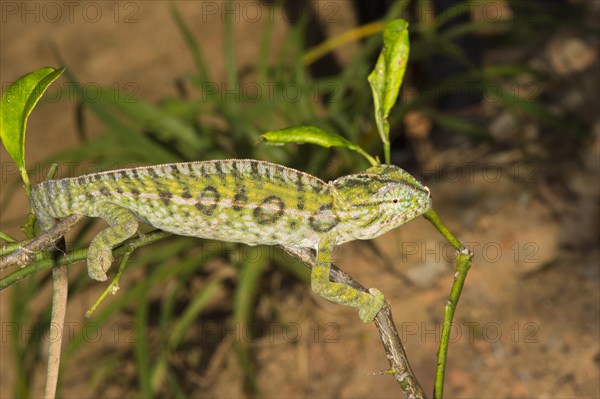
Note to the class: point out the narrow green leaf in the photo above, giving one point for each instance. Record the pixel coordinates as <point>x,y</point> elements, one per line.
<point>252,269</point>
<point>7,238</point>
<point>141,344</point>
<point>147,116</point>
<point>17,103</point>
<point>313,135</point>
<point>386,77</point>
<point>191,43</point>
<point>184,321</point>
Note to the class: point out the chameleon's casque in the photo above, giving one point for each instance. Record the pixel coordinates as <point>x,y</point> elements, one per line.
<point>247,201</point>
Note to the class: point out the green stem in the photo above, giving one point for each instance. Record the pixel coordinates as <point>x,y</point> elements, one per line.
<point>362,152</point>
<point>44,261</point>
<point>463,263</point>
<point>13,246</point>
<point>26,183</point>
<point>433,217</point>
<point>386,151</point>
<point>114,284</point>
<point>7,238</point>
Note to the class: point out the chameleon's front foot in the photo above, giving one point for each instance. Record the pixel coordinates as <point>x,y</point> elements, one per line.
<point>98,262</point>
<point>368,312</point>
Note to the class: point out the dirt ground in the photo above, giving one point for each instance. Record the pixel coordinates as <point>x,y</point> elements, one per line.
<point>528,321</point>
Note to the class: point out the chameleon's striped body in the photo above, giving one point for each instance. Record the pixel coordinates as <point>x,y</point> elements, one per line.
<point>247,201</point>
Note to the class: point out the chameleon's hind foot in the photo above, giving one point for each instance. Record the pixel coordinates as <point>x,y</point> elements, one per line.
<point>122,225</point>
<point>368,312</point>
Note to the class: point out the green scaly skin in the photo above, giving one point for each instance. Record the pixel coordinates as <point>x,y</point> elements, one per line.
<point>246,201</point>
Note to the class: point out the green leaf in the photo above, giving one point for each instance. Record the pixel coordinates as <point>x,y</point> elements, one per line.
<point>17,103</point>
<point>314,135</point>
<point>164,125</point>
<point>386,77</point>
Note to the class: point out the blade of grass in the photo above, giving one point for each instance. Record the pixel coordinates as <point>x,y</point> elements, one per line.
<point>165,126</point>
<point>190,41</point>
<point>349,36</point>
<point>231,108</point>
<point>136,143</point>
<point>141,345</point>
<point>252,267</point>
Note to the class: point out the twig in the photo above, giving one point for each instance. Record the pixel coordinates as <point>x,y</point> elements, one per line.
<point>43,262</point>
<point>464,258</point>
<point>24,254</point>
<point>60,288</point>
<point>385,324</point>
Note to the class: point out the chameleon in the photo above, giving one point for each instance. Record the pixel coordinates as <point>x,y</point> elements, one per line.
<point>245,201</point>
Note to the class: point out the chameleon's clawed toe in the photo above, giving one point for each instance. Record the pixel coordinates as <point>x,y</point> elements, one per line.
<point>367,314</point>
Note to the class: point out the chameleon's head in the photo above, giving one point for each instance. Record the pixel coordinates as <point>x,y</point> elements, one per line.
<point>380,199</point>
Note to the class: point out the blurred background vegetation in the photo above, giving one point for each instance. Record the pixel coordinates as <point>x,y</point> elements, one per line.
<point>489,82</point>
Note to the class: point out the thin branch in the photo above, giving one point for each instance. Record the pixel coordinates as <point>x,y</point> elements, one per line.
<point>42,261</point>
<point>400,367</point>
<point>464,259</point>
<point>25,253</point>
<point>463,264</point>
<point>60,288</point>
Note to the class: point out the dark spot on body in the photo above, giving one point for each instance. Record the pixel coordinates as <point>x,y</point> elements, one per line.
<point>279,173</point>
<point>104,191</point>
<point>356,182</point>
<point>203,171</point>
<point>239,201</point>
<point>300,197</point>
<point>316,189</point>
<point>208,200</point>
<point>119,190</point>
<point>67,191</point>
<point>324,219</point>
<point>220,172</point>
<point>165,196</point>
<point>186,195</point>
<point>269,210</point>
<point>82,181</point>
<point>135,192</point>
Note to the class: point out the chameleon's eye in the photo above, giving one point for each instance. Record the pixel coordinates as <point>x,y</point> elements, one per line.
<point>395,200</point>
